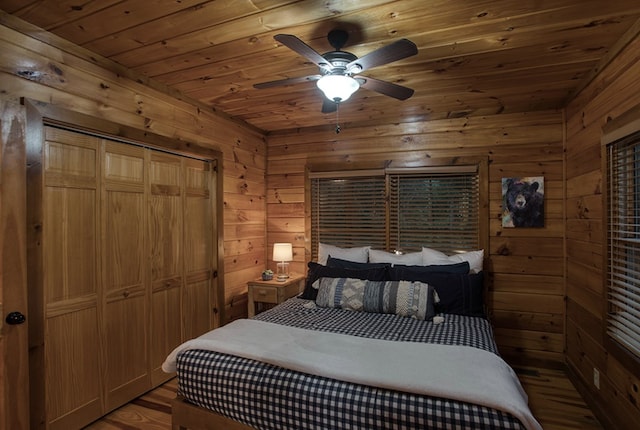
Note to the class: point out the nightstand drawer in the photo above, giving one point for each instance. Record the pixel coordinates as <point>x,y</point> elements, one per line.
<point>265,294</point>
<point>293,289</point>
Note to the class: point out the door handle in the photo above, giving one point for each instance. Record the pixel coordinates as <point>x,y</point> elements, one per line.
<point>14,318</point>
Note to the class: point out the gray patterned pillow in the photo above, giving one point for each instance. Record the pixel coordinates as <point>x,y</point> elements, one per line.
<point>403,298</point>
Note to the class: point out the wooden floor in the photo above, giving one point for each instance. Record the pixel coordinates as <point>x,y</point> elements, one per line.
<point>552,399</point>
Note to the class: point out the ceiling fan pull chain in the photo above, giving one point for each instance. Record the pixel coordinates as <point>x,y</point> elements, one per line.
<point>337,118</point>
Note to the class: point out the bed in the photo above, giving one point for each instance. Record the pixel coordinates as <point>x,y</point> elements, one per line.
<point>342,357</point>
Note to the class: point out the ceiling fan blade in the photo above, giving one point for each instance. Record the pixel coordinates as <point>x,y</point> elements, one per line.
<point>297,45</point>
<point>387,88</point>
<point>403,48</point>
<point>288,81</point>
<point>328,106</point>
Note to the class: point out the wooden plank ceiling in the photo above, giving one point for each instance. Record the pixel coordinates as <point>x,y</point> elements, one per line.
<point>475,57</point>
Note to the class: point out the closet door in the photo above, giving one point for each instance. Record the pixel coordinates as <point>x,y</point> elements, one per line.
<point>121,270</point>
<point>166,257</point>
<point>198,299</point>
<point>126,295</point>
<point>71,289</point>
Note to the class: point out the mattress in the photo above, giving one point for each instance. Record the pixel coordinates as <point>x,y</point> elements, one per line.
<point>265,396</point>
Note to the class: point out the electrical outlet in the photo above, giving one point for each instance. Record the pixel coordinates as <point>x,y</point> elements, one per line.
<point>596,378</point>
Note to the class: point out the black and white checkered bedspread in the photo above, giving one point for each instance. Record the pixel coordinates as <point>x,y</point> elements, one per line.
<point>269,397</point>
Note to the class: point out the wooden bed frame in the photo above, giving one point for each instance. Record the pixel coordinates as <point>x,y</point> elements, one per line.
<point>185,415</point>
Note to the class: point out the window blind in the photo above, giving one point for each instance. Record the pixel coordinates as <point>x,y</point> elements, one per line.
<point>348,211</point>
<point>623,241</point>
<point>434,210</point>
<point>397,210</point>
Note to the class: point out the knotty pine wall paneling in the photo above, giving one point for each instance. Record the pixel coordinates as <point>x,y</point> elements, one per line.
<point>41,67</point>
<point>615,90</point>
<point>525,266</point>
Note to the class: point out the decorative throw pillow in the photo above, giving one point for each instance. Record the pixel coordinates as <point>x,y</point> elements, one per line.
<point>317,271</point>
<point>412,258</point>
<point>403,298</point>
<point>475,258</point>
<point>460,293</point>
<point>358,254</point>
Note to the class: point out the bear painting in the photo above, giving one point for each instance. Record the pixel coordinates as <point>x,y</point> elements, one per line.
<point>523,202</point>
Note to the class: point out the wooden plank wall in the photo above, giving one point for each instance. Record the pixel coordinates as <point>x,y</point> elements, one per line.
<point>74,79</point>
<point>615,90</point>
<point>526,265</point>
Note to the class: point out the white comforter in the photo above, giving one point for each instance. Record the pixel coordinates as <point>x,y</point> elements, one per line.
<point>455,372</point>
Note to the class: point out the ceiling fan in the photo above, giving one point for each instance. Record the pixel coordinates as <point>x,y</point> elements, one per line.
<point>339,70</point>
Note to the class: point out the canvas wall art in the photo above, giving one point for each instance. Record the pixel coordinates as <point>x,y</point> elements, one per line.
<point>523,202</point>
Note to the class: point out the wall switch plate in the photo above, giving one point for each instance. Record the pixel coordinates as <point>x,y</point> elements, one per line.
<point>596,378</point>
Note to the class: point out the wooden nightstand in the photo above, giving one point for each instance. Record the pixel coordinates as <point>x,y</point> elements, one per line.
<point>273,291</point>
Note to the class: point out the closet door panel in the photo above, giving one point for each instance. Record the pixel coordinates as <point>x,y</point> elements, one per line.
<point>126,373</point>
<point>126,293</point>
<point>166,256</point>
<point>73,390</point>
<point>197,230</point>
<point>165,236</point>
<point>124,242</point>
<point>167,329</point>
<point>70,157</point>
<point>197,307</point>
<point>70,243</point>
<point>71,312</point>
<point>198,297</point>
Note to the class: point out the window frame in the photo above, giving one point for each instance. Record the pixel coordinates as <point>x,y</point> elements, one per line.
<point>613,132</point>
<point>452,165</point>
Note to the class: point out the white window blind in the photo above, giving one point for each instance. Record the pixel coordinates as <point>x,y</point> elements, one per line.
<point>397,210</point>
<point>623,231</point>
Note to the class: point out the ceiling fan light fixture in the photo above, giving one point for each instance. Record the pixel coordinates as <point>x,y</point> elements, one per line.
<point>338,88</point>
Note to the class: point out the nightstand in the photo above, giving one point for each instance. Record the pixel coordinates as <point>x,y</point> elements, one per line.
<point>273,292</point>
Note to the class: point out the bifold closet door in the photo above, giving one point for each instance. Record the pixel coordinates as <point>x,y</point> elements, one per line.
<point>71,291</point>
<point>199,297</point>
<point>166,256</point>
<point>126,295</point>
<point>123,271</point>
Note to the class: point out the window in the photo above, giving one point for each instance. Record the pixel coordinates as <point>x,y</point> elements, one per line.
<point>623,241</point>
<point>397,209</point>
<point>436,210</point>
<point>348,210</point>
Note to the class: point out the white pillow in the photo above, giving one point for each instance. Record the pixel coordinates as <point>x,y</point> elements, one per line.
<point>435,257</point>
<point>409,259</point>
<point>357,254</point>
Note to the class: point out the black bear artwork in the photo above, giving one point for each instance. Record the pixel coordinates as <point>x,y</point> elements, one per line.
<point>523,202</point>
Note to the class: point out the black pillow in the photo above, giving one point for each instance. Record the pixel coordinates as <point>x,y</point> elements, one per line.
<point>317,271</point>
<point>460,294</point>
<point>346,264</point>
<point>398,269</point>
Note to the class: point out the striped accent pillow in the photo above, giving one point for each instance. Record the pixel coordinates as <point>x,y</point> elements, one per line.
<point>403,298</point>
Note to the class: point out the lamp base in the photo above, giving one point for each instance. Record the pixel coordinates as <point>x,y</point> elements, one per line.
<point>282,271</point>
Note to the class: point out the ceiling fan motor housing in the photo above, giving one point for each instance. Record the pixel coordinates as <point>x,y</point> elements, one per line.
<point>338,61</point>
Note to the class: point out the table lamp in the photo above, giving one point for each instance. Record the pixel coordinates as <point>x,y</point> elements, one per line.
<point>282,253</point>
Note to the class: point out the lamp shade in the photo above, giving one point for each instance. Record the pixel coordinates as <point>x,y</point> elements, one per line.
<point>282,252</point>
<point>337,88</point>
